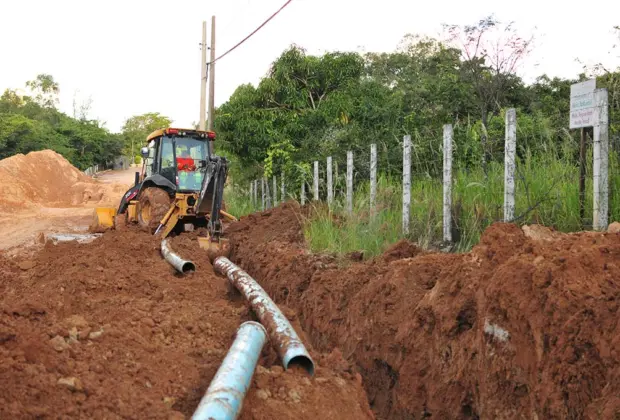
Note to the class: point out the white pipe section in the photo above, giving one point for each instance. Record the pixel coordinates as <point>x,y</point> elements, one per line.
<point>181,265</point>
<point>283,337</point>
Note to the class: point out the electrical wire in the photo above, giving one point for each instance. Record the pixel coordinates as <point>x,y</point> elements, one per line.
<point>252,33</point>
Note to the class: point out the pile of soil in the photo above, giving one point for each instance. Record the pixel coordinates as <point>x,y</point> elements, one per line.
<point>523,326</point>
<point>45,178</point>
<point>109,330</point>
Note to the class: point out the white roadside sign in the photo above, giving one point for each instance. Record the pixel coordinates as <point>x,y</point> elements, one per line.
<point>582,105</point>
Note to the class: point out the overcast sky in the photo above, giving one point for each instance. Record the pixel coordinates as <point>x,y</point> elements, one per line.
<point>133,57</point>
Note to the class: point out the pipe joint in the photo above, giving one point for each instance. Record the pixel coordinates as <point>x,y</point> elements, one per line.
<point>285,340</point>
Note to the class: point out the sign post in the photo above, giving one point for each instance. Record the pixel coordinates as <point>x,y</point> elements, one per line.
<point>582,104</point>
<point>601,160</point>
<point>588,108</point>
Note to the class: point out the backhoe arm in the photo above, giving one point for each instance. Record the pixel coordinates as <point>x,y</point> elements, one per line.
<point>212,193</point>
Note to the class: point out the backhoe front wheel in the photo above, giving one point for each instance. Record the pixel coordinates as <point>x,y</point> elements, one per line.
<point>153,205</point>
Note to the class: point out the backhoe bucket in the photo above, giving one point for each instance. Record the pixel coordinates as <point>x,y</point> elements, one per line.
<point>103,219</point>
<point>215,248</point>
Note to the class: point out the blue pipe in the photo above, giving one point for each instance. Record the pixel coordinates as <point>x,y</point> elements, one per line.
<point>224,397</point>
<point>281,333</point>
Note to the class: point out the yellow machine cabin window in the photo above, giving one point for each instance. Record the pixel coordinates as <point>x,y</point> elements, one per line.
<point>189,154</point>
<point>168,169</point>
<point>150,160</point>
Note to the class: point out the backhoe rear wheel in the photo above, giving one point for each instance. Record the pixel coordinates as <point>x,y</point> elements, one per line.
<point>153,205</point>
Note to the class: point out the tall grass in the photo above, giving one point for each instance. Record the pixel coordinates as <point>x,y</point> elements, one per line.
<point>237,201</point>
<point>546,193</point>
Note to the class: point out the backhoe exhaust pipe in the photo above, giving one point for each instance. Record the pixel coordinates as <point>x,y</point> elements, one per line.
<point>287,344</point>
<point>181,265</point>
<point>224,397</point>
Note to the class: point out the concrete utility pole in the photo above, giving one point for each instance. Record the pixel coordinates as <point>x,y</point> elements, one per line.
<point>203,78</point>
<point>212,75</point>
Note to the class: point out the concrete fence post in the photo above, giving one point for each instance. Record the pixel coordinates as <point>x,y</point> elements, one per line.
<point>447,182</point>
<point>350,182</point>
<point>316,180</point>
<point>263,193</point>
<point>252,193</point>
<point>510,165</point>
<point>330,185</point>
<point>256,192</point>
<point>406,182</point>
<point>283,189</point>
<point>373,179</point>
<point>267,194</point>
<point>601,160</point>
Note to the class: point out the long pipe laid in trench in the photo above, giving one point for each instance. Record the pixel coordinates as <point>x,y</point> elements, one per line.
<point>181,265</point>
<point>223,399</point>
<point>284,338</point>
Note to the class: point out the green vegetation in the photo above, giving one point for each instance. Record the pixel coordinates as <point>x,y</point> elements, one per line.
<point>32,122</point>
<point>547,193</point>
<point>309,107</point>
<point>137,128</point>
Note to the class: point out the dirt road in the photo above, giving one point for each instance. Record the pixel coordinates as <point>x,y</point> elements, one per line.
<point>20,229</point>
<point>125,177</point>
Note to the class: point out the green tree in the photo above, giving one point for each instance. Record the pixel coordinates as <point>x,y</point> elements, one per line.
<point>137,128</point>
<point>288,115</point>
<point>29,123</point>
<point>45,90</point>
<point>309,107</point>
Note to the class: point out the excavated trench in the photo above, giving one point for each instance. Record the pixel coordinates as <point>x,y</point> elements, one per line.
<point>108,329</point>
<point>525,325</point>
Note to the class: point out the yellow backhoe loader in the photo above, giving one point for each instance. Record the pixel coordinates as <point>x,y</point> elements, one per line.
<point>180,188</point>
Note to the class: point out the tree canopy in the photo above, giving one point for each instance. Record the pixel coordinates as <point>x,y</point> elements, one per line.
<point>31,121</point>
<point>309,107</point>
<point>137,128</point>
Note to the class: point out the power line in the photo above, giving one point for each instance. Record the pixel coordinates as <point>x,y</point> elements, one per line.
<point>252,33</point>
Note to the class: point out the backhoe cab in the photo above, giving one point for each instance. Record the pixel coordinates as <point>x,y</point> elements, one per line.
<point>180,188</point>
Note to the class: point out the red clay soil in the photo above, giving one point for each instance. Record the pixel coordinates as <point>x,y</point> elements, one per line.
<point>109,330</point>
<point>46,178</point>
<point>520,327</point>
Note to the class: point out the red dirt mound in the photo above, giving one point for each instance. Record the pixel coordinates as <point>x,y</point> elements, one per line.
<point>47,179</point>
<point>109,330</point>
<point>521,327</point>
